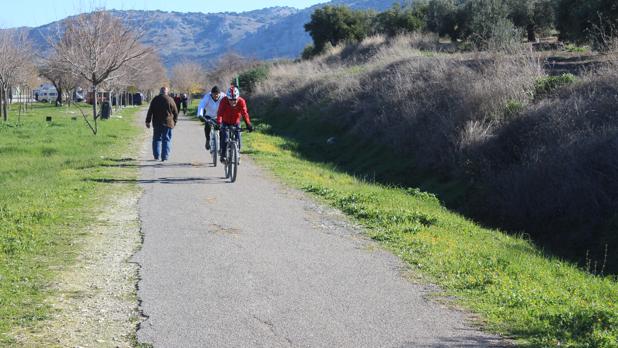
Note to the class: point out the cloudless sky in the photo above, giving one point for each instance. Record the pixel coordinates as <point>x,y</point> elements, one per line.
<point>33,13</point>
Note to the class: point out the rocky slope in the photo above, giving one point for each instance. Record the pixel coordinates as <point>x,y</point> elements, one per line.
<point>275,32</point>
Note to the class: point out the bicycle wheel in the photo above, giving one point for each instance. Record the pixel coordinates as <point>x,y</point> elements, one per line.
<point>214,147</point>
<point>228,160</point>
<point>234,162</point>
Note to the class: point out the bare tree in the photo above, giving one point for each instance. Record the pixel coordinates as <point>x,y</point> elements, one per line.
<point>188,77</point>
<point>96,46</point>
<point>151,76</point>
<point>60,75</point>
<point>15,64</point>
<point>228,66</point>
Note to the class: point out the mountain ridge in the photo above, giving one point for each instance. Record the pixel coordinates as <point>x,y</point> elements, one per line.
<point>268,33</point>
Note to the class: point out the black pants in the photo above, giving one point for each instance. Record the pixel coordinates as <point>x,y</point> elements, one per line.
<point>207,129</point>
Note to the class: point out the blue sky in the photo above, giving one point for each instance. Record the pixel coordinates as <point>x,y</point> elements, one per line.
<point>33,13</point>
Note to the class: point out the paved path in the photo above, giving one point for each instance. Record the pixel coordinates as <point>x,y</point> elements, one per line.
<point>255,264</point>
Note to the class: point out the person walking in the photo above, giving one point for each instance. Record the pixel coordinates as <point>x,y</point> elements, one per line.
<point>163,114</point>
<point>177,100</point>
<point>184,101</point>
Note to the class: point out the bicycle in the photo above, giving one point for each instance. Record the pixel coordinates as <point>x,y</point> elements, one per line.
<point>214,140</point>
<point>232,152</point>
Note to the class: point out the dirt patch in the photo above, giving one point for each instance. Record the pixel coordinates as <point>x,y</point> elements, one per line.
<point>94,301</point>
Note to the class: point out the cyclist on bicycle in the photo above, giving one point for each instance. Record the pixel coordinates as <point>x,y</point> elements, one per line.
<point>232,107</point>
<point>209,105</point>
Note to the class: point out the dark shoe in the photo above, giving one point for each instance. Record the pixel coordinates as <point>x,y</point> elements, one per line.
<point>222,159</point>
<point>208,145</point>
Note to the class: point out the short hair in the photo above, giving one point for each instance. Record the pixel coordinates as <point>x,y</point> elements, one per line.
<point>215,90</point>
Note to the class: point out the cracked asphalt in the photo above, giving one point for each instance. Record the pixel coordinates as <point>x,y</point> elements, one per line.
<point>256,264</point>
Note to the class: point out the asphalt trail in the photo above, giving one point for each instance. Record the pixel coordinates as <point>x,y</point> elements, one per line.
<point>256,264</point>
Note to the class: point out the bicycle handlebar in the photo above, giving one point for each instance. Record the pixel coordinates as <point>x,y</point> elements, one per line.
<point>209,120</point>
<point>213,123</point>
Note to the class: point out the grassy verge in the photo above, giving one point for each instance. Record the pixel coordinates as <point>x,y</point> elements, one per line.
<point>517,290</point>
<point>53,177</point>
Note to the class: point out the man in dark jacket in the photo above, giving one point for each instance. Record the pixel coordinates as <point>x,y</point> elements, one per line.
<point>163,114</point>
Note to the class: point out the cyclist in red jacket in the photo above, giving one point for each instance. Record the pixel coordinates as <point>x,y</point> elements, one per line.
<point>231,109</point>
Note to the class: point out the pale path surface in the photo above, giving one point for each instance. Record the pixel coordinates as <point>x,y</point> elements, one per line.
<point>254,264</point>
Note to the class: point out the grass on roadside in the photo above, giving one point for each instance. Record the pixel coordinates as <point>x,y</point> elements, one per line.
<point>53,175</point>
<point>518,291</point>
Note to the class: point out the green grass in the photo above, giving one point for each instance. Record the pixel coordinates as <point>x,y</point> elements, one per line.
<point>545,86</point>
<point>576,49</point>
<point>517,290</point>
<point>53,176</point>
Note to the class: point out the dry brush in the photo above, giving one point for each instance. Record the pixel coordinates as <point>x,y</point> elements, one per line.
<point>544,166</point>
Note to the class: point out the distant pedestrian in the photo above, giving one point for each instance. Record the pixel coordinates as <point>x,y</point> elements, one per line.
<point>177,100</point>
<point>164,114</point>
<point>184,100</point>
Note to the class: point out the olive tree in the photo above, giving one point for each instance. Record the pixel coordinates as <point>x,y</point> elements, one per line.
<point>532,16</point>
<point>336,24</point>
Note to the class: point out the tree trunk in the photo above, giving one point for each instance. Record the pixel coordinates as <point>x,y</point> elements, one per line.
<point>59,96</point>
<point>5,114</point>
<point>94,107</point>
<point>531,33</point>
<point>2,104</point>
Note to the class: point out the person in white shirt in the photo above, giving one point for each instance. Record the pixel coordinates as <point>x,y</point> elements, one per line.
<point>209,105</point>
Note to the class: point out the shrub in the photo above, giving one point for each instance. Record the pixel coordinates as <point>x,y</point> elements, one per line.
<point>308,52</point>
<point>250,78</point>
<point>338,24</point>
<point>398,20</point>
<point>554,170</point>
<point>513,108</point>
<point>545,86</point>
<point>575,49</point>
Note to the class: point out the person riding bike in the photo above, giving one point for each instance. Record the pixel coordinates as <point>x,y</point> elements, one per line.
<point>232,107</point>
<point>207,109</point>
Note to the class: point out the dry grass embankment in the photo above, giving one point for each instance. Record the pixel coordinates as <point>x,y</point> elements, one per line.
<point>526,152</point>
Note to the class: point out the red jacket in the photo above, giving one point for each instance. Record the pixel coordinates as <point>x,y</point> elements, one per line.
<point>231,115</point>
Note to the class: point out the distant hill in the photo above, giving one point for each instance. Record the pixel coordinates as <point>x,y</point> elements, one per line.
<point>287,37</point>
<point>275,32</point>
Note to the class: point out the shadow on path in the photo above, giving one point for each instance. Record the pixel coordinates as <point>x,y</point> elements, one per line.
<point>157,164</point>
<point>164,180</point>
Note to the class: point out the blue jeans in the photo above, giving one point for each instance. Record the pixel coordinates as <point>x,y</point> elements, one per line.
<point>161,142</point>
<point>223,137</point>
